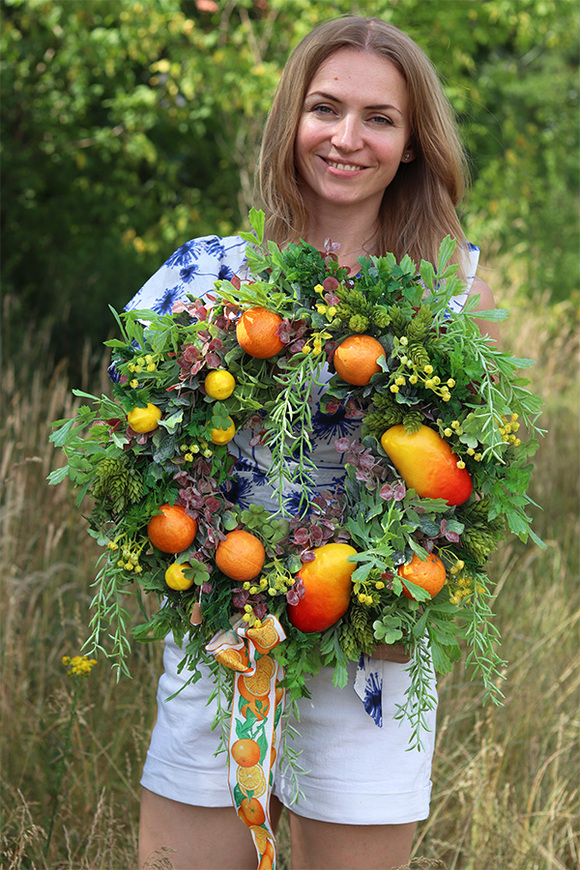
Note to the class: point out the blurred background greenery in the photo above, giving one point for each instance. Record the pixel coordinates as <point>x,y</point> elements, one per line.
<point>129,127</point>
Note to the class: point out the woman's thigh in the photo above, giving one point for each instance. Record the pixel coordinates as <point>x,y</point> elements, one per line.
<point>195,838</point>
<point>327,846</point>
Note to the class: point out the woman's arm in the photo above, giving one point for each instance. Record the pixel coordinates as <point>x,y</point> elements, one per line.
<point>485,303</point>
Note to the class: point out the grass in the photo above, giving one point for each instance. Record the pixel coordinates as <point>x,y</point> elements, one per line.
<point>505,778</point>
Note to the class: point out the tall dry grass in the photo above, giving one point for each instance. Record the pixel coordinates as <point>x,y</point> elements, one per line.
<point>506,779</point>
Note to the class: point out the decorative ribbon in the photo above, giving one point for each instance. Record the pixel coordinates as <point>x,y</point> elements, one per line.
<point>255,725</point>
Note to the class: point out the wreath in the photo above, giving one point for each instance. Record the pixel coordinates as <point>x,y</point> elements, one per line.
<point>396,554</point>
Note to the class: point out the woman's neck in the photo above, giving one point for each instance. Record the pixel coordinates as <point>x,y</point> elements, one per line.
<point>351,229</point>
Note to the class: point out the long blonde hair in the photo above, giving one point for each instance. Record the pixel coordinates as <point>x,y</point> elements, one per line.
<point>418,208</point>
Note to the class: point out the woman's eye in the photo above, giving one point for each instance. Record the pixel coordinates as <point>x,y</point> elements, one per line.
<point>381,121</point>
<point>322,110</point>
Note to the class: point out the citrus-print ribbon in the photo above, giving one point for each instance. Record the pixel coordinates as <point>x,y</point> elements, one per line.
<point>255,725</point>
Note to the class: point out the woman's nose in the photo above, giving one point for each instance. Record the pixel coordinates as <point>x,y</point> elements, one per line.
<point>347,134</point>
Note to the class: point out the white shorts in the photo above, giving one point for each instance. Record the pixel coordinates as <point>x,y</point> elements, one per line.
<point>358,773</point>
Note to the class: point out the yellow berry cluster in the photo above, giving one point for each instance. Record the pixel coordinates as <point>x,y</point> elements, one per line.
<point>508,427</point>
<point>250,617</point>
<point>317,339</point>
<point>129,550</point>
<point>363,598</point>
<point>461,584</point>
<point>370,594</point>
<point>274,583</point>
<point>328,310</point>
<point>147,363</point>
<point>78,666</point>
<point>424,375</point>
<point>191,450</point>
<point>457,429</point>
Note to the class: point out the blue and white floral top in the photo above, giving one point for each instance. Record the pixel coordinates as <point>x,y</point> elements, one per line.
<point>193,269</point>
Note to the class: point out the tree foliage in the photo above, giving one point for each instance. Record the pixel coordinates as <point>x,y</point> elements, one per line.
<point>128,127</point>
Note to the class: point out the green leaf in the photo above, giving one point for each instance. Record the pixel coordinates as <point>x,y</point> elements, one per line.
<point>58,475</point>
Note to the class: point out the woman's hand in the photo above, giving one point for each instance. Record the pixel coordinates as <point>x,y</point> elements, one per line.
<point>391,652</point>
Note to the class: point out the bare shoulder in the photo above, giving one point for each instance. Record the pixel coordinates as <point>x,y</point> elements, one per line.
<point>485,302</point>
<point>481,289</point>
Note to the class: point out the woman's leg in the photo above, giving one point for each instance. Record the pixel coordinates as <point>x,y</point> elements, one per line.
<point>326,846</point>
<point>195,838</point>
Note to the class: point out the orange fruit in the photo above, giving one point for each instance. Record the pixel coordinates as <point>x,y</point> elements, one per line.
<point>328,586</point>
<point>267,861</point>
<point>256,332</point>
<point>172,530</point>
<point>223,436</point>
<point>429,574</point>
<point>175,579</point>
<point>265,637</point>
<point>219,384</point>
<point>260,835</point>
<point>355,359</point>
<point>240,556</point>
<point>251,779</point>
<point>144,419</point>
<point>258,683</point>
<point>251,812</point>
<point>245,752</point>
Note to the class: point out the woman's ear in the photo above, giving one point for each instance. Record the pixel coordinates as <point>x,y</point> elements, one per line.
<point>408,154</point>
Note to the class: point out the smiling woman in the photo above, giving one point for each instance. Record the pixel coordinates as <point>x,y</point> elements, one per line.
<point>353,134</point>
<point>360,156</point>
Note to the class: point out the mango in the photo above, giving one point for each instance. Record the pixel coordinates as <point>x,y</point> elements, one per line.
<point>427,464</point>
<point>327,585</point>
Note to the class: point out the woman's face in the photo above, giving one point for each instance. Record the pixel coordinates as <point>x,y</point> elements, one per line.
<point>353,131</point>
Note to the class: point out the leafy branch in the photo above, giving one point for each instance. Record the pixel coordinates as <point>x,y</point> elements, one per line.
<point>289,426</point>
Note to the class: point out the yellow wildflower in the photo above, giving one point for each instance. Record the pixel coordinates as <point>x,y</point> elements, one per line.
<point>78,666</point>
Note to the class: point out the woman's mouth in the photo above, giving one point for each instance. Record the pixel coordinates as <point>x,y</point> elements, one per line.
<point>344,167</point>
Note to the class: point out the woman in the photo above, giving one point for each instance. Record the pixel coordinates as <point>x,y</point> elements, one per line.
<point>360,147</point>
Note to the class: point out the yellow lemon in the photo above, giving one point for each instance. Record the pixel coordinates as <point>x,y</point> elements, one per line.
<point>222,436</point>
<point>144,419</point>
<point>219,384</point>
<point>174,576</point>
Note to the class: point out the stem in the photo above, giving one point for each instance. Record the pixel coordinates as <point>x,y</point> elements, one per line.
<point>292,419</point>
<point>62,766</point>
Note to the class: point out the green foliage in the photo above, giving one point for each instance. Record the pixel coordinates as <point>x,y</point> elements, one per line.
<point>129,127</point>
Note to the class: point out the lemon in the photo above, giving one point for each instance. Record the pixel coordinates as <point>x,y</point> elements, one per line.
<point>174,576</point>
<point>222,436</point>
<point>219,384</point>
<point>144,419</point>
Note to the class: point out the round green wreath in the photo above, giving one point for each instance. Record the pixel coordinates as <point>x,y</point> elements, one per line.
<point>437,370</point>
